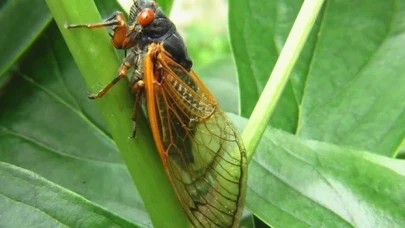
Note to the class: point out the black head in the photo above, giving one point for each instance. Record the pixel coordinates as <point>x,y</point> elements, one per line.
<point>137,8</point>
<point>148,18</point>
<point>150,24</point>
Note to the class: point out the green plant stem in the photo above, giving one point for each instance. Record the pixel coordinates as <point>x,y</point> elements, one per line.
<point>279,77</point>
<point>98,63</point>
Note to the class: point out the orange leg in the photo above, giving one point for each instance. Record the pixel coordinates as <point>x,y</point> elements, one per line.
<point>122,73</point>
<point>94,25</point>
<point>116,18</point>
<point>117,21</point>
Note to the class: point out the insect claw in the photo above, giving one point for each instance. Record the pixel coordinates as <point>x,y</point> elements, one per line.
<point>133,130</point>
<point>133,135</point>
<point>92,96</point>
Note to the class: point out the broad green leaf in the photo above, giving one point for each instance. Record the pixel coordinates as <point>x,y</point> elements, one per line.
<point>21,23</point>
<point>347,88</point>
<point>29,200</point>
<point>258,31</point>
<point>24,21</point>
<point>49,127</point>
<point>294,182</point>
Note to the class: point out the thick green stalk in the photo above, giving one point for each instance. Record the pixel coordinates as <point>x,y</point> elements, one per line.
<point>98,63</point>
<point>279,77</point>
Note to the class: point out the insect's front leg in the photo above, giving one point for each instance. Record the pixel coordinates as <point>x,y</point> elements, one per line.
<point>122,73</point>
<point>116,19</point>
<point>119,26</point>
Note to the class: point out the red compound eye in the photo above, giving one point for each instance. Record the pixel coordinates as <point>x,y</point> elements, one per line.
<point>146,16</point>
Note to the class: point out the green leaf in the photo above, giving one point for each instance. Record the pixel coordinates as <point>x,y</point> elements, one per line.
<point>22,22</point>
<point>49,127</point>
<point>348,85</point>
<point>22,31</point>
<point>256,49</point>
<point>28,200</point>
<point>140,155</point>
<point>294,182</point>
<point>279,77</point>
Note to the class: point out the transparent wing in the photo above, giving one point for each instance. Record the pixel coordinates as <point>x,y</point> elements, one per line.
<point>200,148</point>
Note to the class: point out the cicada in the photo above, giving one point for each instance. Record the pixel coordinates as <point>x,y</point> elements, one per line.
<point>201,150</point>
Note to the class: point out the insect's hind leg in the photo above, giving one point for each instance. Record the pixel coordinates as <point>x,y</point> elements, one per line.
<point>138,89</point>
<point>122,73</point>
<point>137,86</point>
